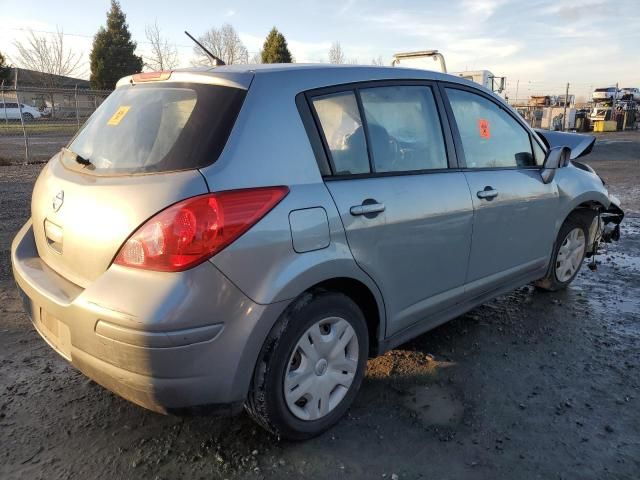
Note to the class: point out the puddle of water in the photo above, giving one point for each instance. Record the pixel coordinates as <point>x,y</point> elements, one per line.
<point>434,405</point>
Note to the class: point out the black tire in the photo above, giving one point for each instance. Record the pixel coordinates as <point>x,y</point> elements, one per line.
<point>551,282</point>
<point>266,402</point>
<point>27,117</point>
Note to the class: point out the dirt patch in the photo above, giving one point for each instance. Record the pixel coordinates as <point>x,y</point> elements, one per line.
<point>530,385</point>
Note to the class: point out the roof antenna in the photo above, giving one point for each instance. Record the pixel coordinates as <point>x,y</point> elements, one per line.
<point>216,60</point>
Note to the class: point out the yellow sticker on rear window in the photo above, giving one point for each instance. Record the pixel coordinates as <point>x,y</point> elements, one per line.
<point>117,117</point>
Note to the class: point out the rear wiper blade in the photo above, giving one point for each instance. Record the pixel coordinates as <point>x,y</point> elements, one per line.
<point>81,160</point>
<point>78,158</point>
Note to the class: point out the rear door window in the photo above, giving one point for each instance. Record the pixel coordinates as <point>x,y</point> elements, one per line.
<point>157,127</point>
<point>490,137</point>
<point>343,132</point>
<point>404,129</point>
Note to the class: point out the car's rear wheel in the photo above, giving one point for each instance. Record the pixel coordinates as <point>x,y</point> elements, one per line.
<point>311,366</point>
<point>568,255</point>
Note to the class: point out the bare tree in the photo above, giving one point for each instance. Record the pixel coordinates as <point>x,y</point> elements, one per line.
<point>224,43</point>
<point>256,57</point>
<point>336,55</point>
<point>163,56</point>
<point>47,54</point>
<point>377,61</point>
<point>353,61</point>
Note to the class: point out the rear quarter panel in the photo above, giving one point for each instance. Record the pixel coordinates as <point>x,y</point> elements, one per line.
<point>268,144</point>
<point>265,266</point>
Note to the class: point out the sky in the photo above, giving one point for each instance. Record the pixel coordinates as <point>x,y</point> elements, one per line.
<point>538,45</point>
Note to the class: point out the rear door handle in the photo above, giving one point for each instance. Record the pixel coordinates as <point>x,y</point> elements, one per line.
<point>367,209</point>
<point>488,193</point>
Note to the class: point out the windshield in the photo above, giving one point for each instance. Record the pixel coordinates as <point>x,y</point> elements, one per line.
<point>156,127</point>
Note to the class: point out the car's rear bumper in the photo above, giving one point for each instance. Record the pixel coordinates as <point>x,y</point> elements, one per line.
<point>162,340</point>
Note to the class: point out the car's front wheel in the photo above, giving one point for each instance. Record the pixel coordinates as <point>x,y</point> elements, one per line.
<point>311,366</point>
<point>568,255</point>
<point>27,117</point>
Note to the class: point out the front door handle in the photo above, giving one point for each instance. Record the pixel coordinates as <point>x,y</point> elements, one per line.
<point>489,193</point>
<point>367,209</point>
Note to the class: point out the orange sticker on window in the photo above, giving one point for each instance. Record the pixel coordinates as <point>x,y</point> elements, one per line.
<point>484,128</point>
<point>117,117</point>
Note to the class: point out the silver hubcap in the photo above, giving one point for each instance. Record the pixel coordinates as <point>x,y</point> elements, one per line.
<point>570,255</point>
<point>321,368</point>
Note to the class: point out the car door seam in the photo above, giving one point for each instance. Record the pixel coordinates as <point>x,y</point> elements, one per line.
<point>473,224</point>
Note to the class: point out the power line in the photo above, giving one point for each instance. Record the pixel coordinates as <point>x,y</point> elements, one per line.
<point>82,35</point>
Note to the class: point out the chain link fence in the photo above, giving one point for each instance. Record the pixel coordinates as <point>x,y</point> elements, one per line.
<point>36,122</point>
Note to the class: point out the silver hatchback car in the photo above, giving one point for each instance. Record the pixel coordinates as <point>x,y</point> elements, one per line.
<point>250,235</point>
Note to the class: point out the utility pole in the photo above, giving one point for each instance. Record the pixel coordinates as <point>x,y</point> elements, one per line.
<point>24,130</point>
<point>564,114</point>
<point>517,85</point>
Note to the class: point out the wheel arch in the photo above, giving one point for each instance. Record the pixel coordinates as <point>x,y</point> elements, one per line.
<point>360,288</point>
<point>584,209</point>
<point>580,207</point>
<point>369,304</point>
<point>585,203</point>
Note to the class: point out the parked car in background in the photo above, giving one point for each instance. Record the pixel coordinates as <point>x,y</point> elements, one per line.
<point>608,94</point>
<point>10,111</point>
<point>631,94</point>
<point>251,235</point>
<point>45,111</point>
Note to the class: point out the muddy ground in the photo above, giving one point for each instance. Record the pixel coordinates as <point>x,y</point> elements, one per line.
<point>531,385</point>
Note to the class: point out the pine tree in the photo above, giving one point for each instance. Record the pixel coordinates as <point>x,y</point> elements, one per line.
<point>275,48</point>
<point>5,71</point>
<point>112,56</point>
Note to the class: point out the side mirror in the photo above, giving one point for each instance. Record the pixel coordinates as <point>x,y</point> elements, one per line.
<point>557,157</point>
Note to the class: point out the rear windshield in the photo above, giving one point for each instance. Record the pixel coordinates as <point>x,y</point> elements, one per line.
<point>143,128</point>
<point>605,89</point>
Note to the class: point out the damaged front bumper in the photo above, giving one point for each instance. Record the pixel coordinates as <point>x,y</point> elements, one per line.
<point>605,227</point>
<point>610,220</point>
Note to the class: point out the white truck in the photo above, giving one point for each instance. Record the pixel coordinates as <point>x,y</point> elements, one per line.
<point>425,59</point>
<point>484,78</point>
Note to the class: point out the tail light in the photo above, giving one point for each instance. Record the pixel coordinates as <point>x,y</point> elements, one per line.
<point>191,231</point>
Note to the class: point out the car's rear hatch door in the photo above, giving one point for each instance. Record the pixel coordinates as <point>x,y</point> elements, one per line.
<point>80,221</point>
<point>138,154</point>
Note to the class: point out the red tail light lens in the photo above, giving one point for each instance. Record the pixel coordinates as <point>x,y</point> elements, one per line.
<point>191,231</point>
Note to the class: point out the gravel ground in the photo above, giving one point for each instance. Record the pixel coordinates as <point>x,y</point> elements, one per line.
<point>531,385</point>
